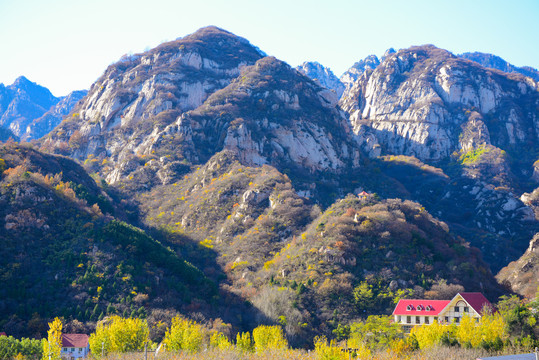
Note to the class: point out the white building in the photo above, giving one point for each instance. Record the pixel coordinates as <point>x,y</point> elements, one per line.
<point>424,312</point>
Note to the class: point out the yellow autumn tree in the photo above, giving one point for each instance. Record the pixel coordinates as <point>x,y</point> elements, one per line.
<point>428,336</point>
<point>184,334</point>
<point>467,332</point>
<point>269,337</point>
<point>244,342</point>
<point>328,351</point>
<point>53,345</point>
<point>120,335</point>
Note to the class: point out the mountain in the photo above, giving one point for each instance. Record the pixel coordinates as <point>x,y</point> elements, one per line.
<point>322,75</point>
<point>240,165</point>
<point>289,259</point>
<point>21,102</point>
<point>521,275</point>
<point>44,124</point>
<point>30,111</point>
<point>420,100</point>
<point>142,94</point>
<point>496,62</point>
<point>479,125</point>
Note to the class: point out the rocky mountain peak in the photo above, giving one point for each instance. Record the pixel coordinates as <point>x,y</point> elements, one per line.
<point>417,99</point>
<point>22,102</point>
<point>496,62</point>
<point>323,75</point>
<point>355,72</point>
<point>141,94</point>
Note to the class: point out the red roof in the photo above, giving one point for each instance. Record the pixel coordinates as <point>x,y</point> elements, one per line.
<point>3,334</point>
<point>75,340</point>
<point>435,306</point>
<point>363,193</point>
<point>477,301</point>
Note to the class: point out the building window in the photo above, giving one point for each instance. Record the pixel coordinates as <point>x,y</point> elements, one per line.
<point>409,307</point>
<point>65,349</point>
<point>447,319</point>
<point>398,318</point>
<point>457,320</point>
<point>466,309</point>
<point>457,309</point>
<point>426,319</point>
<point>436,318</point>
<point>409,319</point>
<point>418,320</point>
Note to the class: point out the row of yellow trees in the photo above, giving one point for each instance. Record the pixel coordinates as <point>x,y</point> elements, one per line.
<point>121,335</point>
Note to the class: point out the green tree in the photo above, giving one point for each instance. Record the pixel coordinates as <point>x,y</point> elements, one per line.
<point>376,332</point>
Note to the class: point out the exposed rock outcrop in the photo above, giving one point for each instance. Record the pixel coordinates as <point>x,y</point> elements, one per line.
<point>351,75</point>
<point>522,275</point>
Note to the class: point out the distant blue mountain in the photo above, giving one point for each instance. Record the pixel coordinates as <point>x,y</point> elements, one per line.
<point>496,62</point>
<point>24,102</point>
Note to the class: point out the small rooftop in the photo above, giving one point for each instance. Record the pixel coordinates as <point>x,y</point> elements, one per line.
<point>75,340</point>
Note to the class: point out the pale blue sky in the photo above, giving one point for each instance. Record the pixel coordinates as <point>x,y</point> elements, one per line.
<point>67,44</point>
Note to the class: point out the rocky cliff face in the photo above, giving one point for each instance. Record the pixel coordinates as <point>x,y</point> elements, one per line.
<point>322,75</point>
<point>268,115</point>
<point>496,62</point>
<point>21,103</point>
<point>43,125</point>
<point>141,94</point>
<point>419,101</point>
<point>521,275</point>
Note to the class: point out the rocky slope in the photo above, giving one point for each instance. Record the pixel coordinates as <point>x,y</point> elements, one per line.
<point>496,62</point>
<point>142,94</point>
<point>521,275</point>
<point>289,260</point>
<point>322,75</point>
<point>44,124</point>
